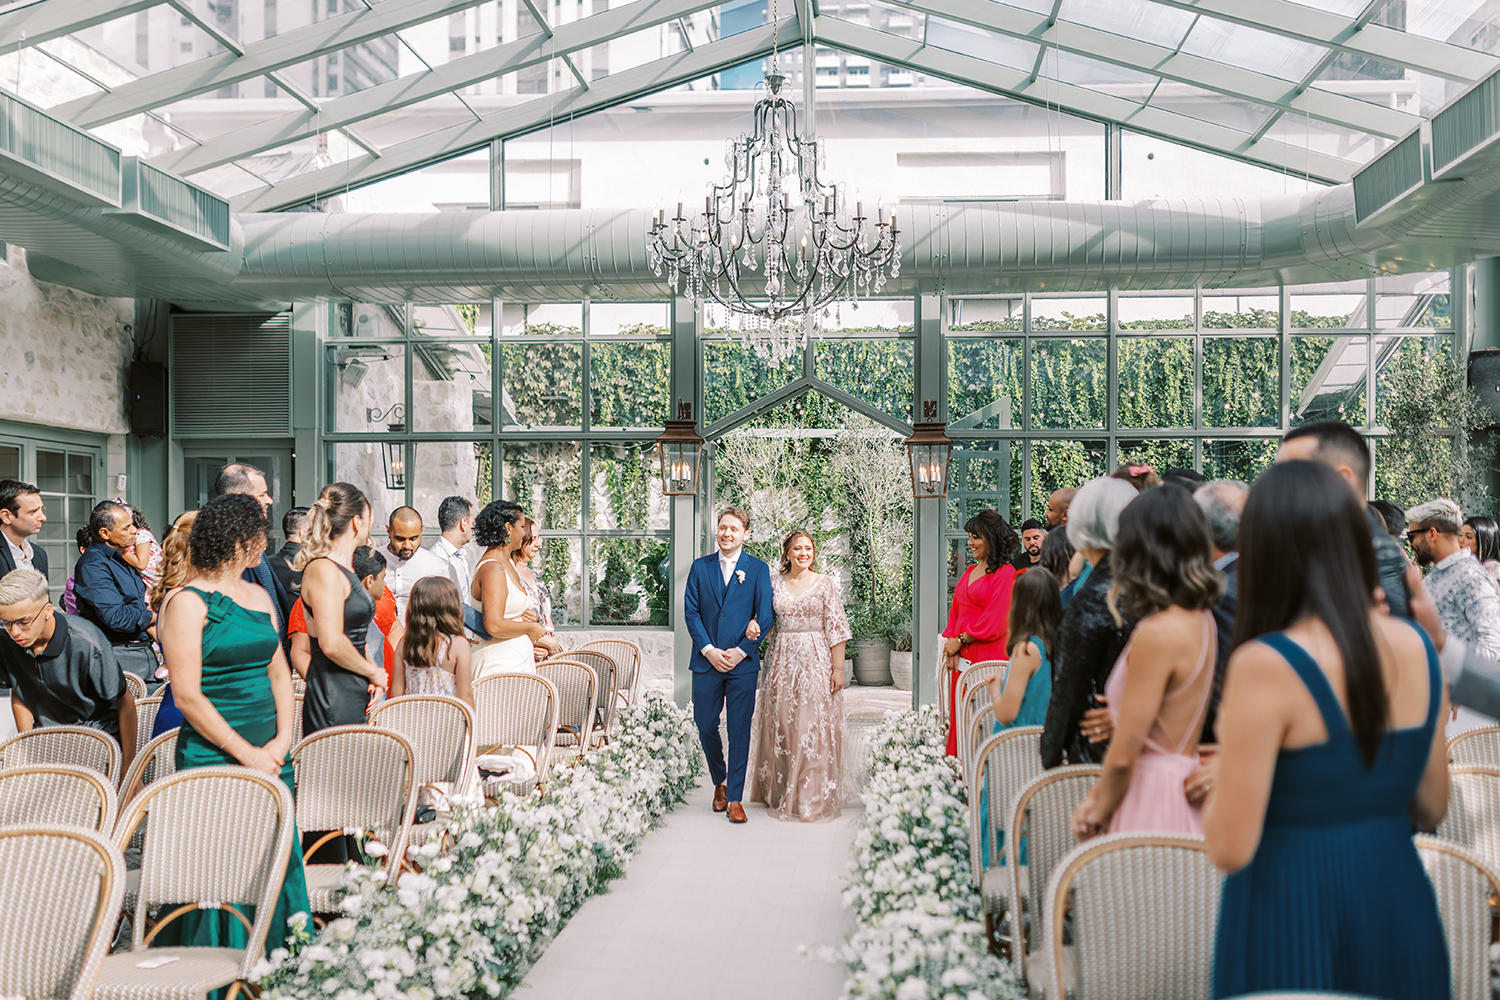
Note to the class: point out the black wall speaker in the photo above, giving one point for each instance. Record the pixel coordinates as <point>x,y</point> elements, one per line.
<point>148,398</point>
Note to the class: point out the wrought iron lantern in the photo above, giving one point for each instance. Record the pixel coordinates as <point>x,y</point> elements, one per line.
<point>678,449</point>
<point>392,453</point>
<point>929,448</point>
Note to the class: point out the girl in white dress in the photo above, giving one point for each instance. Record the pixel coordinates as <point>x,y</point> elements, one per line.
<point>499,596</point>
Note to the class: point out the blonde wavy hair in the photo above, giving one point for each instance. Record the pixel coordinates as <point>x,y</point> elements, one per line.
<point>176,559</point>
<point>327,520</point>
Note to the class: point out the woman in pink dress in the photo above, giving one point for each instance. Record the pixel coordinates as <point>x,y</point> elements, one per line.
<point>1159,689</point>
<point>978,619</point>
<point>799,756</point>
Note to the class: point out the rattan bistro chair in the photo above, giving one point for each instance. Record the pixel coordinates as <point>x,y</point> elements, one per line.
<point>1475,748</point>
<point>970,693</point>
<point>627,658</point>
<point>77,745</point>
<point>516,713</point>
<point>440,731</point>
<point>155,761</point>
<point>60,890</point>
<point>57,795</point>
<point>577,698</point>
<point>220,839</point>
<point>1473,818</point>
<point>1042,813</point>
<point>135,686</point>
<point>1143,909</point>
<point>605,703</point>
<point>1467,894</point>
<point>353,777</point>
<point>145,718</point>
<point>1005,763</point>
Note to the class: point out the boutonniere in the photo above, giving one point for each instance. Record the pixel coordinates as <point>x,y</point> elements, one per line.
<point>739,575</point>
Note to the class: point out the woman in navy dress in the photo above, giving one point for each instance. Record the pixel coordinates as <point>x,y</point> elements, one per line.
<point>1329,753</point>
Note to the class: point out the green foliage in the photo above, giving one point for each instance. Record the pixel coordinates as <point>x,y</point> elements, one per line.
<point>631,381</point>
<point>877,371</point>
<point>631,581</point>
<point>1432,412</point>
<point>1156,382</point>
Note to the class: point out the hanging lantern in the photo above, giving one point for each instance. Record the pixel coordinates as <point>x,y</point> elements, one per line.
<point>929,448</point>
<point>678,449</point>
<point>392,453</point>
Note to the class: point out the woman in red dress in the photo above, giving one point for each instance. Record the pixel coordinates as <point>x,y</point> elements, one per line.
<point>978,621</point>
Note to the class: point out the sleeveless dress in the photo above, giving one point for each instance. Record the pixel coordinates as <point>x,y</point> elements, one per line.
<point>238,644</point>
<point>799,755</point>
<point>504,656</point>
<point>1033,712</point>
<point>335,696</point>
<point>1155,799</point>
<point>433,680</point>
<point>1335,898</point>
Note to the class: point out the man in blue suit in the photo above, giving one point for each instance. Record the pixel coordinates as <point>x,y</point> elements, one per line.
<point>725,591</point>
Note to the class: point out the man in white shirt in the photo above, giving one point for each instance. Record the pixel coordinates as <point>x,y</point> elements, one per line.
<point>407,562</point>
<point>21,515</point>
<point>456,522</point>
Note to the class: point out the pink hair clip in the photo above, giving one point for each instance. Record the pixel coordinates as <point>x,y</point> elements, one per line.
<point>1140,470</point>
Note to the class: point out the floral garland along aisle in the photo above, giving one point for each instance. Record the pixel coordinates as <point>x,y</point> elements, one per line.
<point>917,934</point>
<point>481,913</point>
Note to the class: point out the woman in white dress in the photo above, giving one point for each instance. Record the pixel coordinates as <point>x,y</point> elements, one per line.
<point>801,713</point>
<point>499,596</point>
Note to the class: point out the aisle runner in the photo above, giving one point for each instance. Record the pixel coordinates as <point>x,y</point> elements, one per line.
<point>709,909</point>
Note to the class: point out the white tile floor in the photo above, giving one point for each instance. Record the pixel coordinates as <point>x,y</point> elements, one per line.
<point>710,910</point>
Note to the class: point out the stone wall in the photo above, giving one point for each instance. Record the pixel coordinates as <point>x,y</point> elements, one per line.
<point>66,355</point>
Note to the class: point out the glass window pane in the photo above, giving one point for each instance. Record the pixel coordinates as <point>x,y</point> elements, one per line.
<point>365,378</point>
<point>1241,311</point>
<point>1069,383</point>
<point>630,581</point>
<point>76,510</point>
<point>631,384</point>
<point>1408,300</point>
<point>446,469</point>
<point>1252,48</point>
<point>450,386</point>
<point>986,315</point>
<point>1241,382</point>
<point>10,461</point>
<point>1243,460</point>
<point>734,376</point>
<point>1160,455</point>
<point>876,371</point>
<point>81,474</point>
<point>546,479</point>
<point>631,319</point>
<point>51,471</point>
<point>1404,367</point>
<point>1328,312</point>
<point>541,320</point>
<point>1156,313</point>
<point>626,490</point>
<point>364,464</point>
<point>984,383</point>
<point>1328,379</point>
<point>1059,465</point>
<point>542,385</point>
<point>1069,314</point>
<point>465,320</point>
<point>984,475</point>
<point>1156,382</point>
<point>559,565</point>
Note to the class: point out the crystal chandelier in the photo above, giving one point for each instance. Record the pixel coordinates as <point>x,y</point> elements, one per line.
<point>774,214</point>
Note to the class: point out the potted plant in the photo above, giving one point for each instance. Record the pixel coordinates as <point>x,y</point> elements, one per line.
<point>898,633</point>
<point>872,653</point>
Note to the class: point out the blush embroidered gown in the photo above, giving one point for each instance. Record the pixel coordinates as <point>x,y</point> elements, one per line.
<point>799,755</point>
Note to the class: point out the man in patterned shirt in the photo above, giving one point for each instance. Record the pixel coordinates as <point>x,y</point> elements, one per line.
<point>1466,597</point>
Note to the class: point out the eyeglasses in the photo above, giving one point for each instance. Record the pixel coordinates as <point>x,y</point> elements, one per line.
<point>1415,533</point>
<point>21,623</point>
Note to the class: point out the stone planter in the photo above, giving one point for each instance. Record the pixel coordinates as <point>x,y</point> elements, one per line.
<point>848,670</point>
<point>872,663</point>
<point>901,669</point>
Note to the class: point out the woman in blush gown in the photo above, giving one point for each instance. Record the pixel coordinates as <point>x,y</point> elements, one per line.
<point>800,752</point>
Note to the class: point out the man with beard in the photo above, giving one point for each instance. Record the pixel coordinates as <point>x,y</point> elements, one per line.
<point>1466,598</point>
<point>1033,534</point>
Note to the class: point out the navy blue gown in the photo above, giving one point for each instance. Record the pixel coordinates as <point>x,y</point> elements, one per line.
<point>1336,898</point>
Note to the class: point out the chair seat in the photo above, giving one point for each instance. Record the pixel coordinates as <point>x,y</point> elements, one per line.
<point>994,888</point>
<point>421,833</point>
<point>322,896</point>
<point>196,971</point>
<point>492,787</point>
<point>1040,973</point>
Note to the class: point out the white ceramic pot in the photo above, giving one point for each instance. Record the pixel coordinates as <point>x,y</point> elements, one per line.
<point>901,669</point>
<point>872,663</point>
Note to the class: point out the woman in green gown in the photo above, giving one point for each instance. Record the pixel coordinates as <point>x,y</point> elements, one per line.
<point>231,680</point>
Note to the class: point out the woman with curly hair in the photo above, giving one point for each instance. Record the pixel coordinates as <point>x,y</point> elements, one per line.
<point>978,619</point>
<point>499,596</point>
<point>1159,689</point>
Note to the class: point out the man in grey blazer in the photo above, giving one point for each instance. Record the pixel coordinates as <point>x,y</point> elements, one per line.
<point>21,516</point>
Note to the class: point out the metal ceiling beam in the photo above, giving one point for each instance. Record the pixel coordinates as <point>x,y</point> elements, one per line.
<point>619,88</point>
<point>417,87</point>
<point>1170,64</point>
<point>41,22</point>
<point>1016,83</point>
<point>276,52</point>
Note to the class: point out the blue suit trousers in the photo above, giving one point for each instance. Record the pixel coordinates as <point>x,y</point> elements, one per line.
<point>714,693</point>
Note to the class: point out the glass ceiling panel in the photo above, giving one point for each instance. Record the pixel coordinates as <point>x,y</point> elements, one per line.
<point>238,105</point>
<point>227,181</point>
<point>1156,168</point>
<point>1252,49</point>
<point>143,135</point>
<point>392,127</point>
<point>1205,105</point>
<point>88,61</point>
<point>36,77</point>
<point>304,156</point>
<point>1470,23</point>
<point>241,22</point>
<point>1388,85</point>
<point>892,20</point>
<point>1069,67</point>
<point>352,69</point>
<point>1344,8</point>
<point>991,46</point>
<point>1149,22</point>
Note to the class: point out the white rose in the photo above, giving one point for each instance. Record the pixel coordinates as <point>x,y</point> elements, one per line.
<point>343,929</point>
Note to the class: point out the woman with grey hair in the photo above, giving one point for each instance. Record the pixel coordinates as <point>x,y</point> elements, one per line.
<point>1089,640</point>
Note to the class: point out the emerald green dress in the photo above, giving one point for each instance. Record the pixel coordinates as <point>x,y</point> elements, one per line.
<point>238,645</point>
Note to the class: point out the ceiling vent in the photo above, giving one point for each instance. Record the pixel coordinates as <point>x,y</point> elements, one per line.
<point>231,375</point>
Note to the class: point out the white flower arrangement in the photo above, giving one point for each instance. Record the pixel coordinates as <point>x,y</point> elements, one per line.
<point>918,935</point>
<point>481,912</point>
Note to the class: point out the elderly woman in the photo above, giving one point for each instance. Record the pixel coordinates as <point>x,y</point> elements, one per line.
<point>1088,641</point>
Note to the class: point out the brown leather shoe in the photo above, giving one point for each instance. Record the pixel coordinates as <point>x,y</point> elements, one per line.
<point>737,813</point>
<point>721,798</point>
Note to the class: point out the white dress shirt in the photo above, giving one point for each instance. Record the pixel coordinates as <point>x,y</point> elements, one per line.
<point>458,567</point>
<point>402,574</point>
<point>20,555</point>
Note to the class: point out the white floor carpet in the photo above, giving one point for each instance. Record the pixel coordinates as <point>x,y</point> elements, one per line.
<point>710,910</point>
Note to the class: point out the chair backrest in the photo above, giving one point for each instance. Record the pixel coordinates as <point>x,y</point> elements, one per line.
<point>516,710</point>
<point>440,730</point>
<point>145,718</point>
<point>296,718</point>
<point>57,795</point>
<point>219,837</point>
<point>1144,910</point>
<point>155,762</point>
<point>135,686</point>
<point>1042,813</point>
<point>1475,748</point>
<point>1006,763</point>
<point>1473,818</point>
<point>627,657</point>
<point>981,728</point>
<point>603,667</point>
<point>577,697</point>
<point>358,777</point>
<point>60,888</point>
<point>971,687</point>
<point>1466,894</point>
<point>77,745</point>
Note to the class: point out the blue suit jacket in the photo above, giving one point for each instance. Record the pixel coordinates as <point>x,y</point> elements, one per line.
<point>717,615</point>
